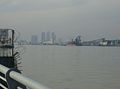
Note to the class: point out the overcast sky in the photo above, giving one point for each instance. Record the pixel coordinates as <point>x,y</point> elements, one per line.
<point>90,18</point>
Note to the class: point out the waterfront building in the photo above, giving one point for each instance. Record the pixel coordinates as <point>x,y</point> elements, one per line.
<point>48,36</point>
<point>34,39</point>
<point>53,37</point>
<point>43,37</point>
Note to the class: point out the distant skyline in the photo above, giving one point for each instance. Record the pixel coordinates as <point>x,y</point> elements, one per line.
<point>67,18</point>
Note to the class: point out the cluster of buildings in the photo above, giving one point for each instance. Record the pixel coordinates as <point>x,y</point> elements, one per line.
<point>101,42</point>
<point>98,42</point>
<point>47,38</point>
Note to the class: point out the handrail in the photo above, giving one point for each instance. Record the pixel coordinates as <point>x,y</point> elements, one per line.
<point>22,79</point>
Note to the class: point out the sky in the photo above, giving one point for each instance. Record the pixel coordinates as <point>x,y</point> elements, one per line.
<point>91,19</point>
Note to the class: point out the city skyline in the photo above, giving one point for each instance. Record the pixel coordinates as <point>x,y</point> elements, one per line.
<point>43,37</point>
<point>89,18</point>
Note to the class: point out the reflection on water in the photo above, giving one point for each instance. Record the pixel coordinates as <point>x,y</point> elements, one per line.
<point>73,67</point>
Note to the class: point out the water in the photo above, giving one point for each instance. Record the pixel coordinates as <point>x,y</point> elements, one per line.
<point>70,67</point>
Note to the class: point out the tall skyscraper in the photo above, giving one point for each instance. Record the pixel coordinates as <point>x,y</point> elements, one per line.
<point>43,37</point>
<point>48,36</point>
<point>53,37</point>
<point>34,39</point>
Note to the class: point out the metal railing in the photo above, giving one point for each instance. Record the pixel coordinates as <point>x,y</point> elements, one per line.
<point>15,79</point>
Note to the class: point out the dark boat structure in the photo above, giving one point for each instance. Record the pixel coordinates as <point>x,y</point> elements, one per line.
<point>7,48</point>
<point>7,54</point>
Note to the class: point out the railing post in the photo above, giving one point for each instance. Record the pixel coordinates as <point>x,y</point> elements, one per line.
<point>13,84</point>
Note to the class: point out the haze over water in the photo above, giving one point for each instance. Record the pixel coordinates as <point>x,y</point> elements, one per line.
<point>68,67</point>
<point>72,67</point>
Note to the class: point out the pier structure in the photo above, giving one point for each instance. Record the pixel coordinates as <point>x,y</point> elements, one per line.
<point>10,75</point>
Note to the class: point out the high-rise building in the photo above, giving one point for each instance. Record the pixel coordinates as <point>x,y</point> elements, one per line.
<point>48,36</point>
<point>43,37</point>
<point>53,37</point>
<point>34,39</point>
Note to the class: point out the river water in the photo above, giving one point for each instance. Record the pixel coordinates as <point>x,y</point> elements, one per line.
<point>71,67</point>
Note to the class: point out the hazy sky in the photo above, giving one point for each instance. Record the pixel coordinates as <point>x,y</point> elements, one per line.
<point>90,18</point>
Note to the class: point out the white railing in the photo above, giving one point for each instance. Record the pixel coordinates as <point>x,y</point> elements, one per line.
<point>22,79</point>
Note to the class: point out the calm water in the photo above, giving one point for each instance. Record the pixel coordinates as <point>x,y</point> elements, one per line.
<point>73,67</point>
